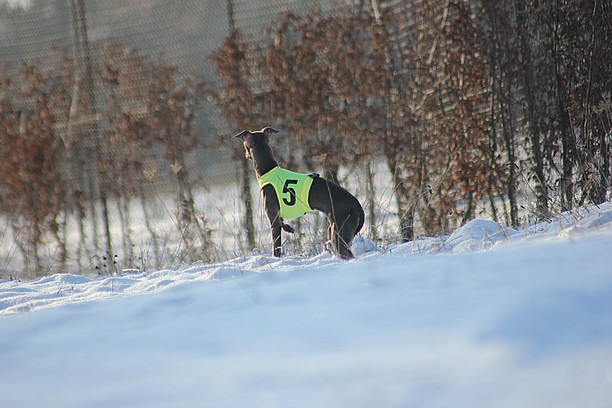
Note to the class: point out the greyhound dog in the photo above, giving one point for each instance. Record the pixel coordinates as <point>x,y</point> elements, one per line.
<point>287,194</point>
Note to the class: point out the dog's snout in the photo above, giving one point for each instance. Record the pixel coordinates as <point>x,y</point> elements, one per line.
<point>247,152</point>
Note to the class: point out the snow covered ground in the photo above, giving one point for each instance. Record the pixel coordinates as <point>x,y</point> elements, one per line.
<point>485,317</point>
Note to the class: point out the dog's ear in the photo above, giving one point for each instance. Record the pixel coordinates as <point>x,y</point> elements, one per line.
<point>269,130</point>
<point>245,136</point>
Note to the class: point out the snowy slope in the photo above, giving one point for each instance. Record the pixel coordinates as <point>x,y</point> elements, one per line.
<point>485,317</point>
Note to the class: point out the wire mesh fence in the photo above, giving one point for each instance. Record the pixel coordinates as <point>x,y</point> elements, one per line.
<point>117,117</point>
<point>113,146</point>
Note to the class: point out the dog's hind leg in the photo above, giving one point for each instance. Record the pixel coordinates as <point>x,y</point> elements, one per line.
<point>348,229</point>
<point>341,236</point>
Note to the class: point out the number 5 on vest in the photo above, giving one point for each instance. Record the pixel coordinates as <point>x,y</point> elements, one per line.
<point>291,199</point>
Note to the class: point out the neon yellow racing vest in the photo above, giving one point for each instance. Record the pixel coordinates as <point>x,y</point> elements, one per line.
<point>292,190</point>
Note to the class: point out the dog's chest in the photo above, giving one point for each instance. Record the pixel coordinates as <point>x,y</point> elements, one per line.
<point>292,190</point>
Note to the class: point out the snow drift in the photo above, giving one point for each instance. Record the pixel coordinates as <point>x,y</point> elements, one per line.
<point>485,317</point>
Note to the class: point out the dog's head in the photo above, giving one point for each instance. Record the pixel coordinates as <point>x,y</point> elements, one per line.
<point>252,140</point>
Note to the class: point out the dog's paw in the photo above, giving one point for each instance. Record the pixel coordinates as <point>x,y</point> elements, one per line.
<point>288,228</point>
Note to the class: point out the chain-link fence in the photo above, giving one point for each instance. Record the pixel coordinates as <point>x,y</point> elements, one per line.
<point>116,86</point>
<point>116,120</point>
<point>183,34</point>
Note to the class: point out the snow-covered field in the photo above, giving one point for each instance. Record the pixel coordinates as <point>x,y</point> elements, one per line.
<point>485,317</point>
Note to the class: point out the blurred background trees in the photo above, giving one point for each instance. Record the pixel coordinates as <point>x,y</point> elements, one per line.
<point>497,108</point>
<point>473,105</point>
<point>54,167</point>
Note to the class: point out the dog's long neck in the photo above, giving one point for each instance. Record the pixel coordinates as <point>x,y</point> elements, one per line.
<point>263,160</point>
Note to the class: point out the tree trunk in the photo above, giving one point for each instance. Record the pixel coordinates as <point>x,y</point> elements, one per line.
<point>104,201</point>
<point>531,109</point>
<point>371,199</point>
<point>405,211</point>
<point>247,200</point>
<point>567,140</point>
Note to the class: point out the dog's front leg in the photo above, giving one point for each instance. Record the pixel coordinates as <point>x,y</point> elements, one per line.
<point>288,228</point>
<point>276,239</point>
<point>272,209</point>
